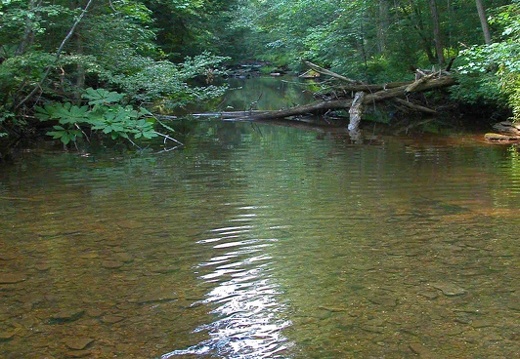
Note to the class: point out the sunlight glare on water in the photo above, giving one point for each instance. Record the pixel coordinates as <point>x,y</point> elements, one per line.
<point>263,242</point>
<point>249,320</point>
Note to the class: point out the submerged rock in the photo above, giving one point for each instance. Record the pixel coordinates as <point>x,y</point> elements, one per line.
<point>449,289</point>
<point>383,298</point>
<point>112,264</point>
<point>421,350</point>
<point>428,294</point>
<point>78,343</point>
<point>11,278</point>
<point>66,316</point>
<point>157,298</point>
<point>6,335</point>
<point>112,319</point>
<point>79,354</point>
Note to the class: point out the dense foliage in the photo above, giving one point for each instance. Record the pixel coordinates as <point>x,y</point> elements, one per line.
<point>380,40</point>
<point>153,52</point>
<point>494,69</point>
<point>54,51</point>
<point>364,36</point>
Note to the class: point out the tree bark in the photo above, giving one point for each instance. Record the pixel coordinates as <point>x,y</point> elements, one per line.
<point>483,22</point>
<point>355,112</point>
<point>28,34</point>
<point>418,86</point>
<point>416,21</point>
<point>437,37</point>
<point>415,106</point>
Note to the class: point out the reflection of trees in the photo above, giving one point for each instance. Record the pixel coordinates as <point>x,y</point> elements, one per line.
<point>265,93</point>
<point>366,228</point>
<point>298,241</point>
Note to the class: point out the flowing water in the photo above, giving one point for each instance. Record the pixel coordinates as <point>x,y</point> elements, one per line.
<point>263,242</point>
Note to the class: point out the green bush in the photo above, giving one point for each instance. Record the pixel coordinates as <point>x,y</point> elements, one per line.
<point>103,113</point>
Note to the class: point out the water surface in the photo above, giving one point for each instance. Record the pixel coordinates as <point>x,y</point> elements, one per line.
<point>263,242</point>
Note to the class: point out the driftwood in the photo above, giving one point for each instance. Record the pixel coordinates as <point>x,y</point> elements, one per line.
<point>415,106</point>
<point>228,115</point>
<point>324,71</point>
<point>341,98</point>
<point>510,133</point>
<point>345,89</point>
<point>369,98</point>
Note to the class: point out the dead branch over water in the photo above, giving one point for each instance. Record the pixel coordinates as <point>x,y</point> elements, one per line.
<point>341,97</point>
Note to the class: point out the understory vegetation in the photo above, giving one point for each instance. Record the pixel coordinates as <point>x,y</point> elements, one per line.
<point>84,69</point>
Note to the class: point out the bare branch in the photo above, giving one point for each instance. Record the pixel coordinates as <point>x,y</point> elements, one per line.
<point>58,54</point>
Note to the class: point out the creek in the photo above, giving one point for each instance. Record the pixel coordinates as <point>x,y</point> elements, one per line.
<point>260,241</point>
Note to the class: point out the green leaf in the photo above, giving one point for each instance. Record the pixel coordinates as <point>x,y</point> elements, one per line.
<point>64,135</point>
<point>65,113</point>
<point>101,96</point>
<point>149,134</point>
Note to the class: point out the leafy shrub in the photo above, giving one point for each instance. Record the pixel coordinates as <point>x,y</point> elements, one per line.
<point>103,113</point>
<point>493,71</point>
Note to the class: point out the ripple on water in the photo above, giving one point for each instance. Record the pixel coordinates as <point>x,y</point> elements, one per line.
<point>243,300</point>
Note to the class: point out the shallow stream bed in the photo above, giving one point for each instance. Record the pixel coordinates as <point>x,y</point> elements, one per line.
<point>263,242</point>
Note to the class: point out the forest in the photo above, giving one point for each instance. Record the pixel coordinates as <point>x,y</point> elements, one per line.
<point>87,69</point>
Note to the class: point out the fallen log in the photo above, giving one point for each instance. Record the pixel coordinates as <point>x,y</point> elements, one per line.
<point>228,114</point>
<point>499,138</point>
<point>415,106</point>
<point>340,97</point>
<point>344,89</point>
<point>324,71</point>
<point>397,92</point>
<point>301,110</point>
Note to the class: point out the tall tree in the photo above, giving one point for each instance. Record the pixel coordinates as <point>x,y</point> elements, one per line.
<point>483,21</point>
<point>437,36</point>
<point>383,24</point>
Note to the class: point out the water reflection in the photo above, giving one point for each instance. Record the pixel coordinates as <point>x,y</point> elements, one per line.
<point>266,93</point>
<point>250,244</point>
<point>248,315</point>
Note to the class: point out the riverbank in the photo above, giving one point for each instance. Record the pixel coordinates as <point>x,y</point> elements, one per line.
<point>268,93</point>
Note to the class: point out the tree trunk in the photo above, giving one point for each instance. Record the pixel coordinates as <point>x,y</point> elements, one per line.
<point>483,22</point>
<point>28,34</point>
<point>421,85</point>
<point>416,21</point>
<point>80,71</point>
<point>382,24</point>
<point>57,56</point>
<point>437,37</point>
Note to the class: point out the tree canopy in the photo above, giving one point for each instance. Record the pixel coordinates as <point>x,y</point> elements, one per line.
<point>159,55</point>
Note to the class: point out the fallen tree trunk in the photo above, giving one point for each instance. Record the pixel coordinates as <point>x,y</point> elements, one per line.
<point>324,71</point>
<point>415,106</point>
<point>302,110</point>
<point>340,97</point>
<point>397,92</point>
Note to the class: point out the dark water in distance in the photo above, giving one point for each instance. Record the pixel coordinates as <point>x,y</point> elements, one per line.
<point>263,242</point>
